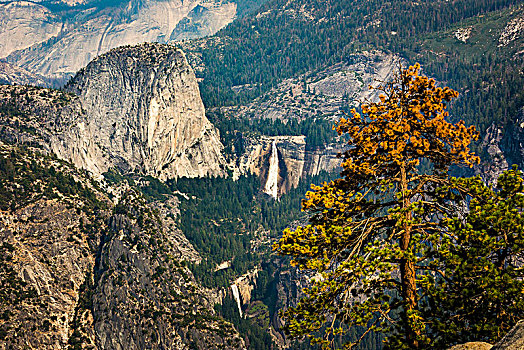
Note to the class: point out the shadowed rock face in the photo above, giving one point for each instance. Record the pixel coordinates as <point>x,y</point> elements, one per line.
<point>58,42</point>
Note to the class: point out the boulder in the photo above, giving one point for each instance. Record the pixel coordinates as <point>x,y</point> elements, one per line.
<point>513,340</point>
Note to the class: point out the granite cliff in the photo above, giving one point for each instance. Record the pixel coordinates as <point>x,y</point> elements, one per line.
<point>136,108</point>
<point>143,112</point>
<point>56,41</point>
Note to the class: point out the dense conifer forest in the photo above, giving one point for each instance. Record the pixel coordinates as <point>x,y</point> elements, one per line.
<point>234,131</point>
<point>286,39</point>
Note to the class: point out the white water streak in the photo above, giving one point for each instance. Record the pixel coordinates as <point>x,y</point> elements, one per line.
<point>271,187</point>
<point>236,295</point>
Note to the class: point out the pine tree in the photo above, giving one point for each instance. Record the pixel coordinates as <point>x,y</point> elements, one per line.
<point>368,232</point>
<point>475,290</point>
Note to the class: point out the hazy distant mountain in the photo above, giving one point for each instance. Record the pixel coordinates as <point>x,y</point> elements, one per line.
<point>57,38</point>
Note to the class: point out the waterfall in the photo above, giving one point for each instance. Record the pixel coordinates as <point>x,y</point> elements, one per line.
<point>271,187</point>
<point>236,295</point>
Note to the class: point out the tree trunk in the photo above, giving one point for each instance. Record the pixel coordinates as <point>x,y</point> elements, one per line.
<point>407,267</point>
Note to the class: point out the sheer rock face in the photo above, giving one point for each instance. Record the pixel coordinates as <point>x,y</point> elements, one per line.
<point>48,245</point>
<point>144,297</point>
<point>137,109</point>
<point>290,285</point>
<point>57,44</point>
<point>245,285</point>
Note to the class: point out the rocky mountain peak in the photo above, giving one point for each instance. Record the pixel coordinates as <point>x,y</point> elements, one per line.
<point>143,113</point>
<point>136,108</point>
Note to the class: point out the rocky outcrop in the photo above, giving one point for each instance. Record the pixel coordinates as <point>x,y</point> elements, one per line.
<point>77,271</point>
<point>472,346</point>
<point>46,254</point>
<point>513,340</point>
<point>137,109</point>
<point>463,34</point>
<point>513,30</point>
<point>57,43</point>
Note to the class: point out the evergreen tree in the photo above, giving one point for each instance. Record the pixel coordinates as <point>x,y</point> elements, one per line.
<point>475,289</point>
<point>367,239</point>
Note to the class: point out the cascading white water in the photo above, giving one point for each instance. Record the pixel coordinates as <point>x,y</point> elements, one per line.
<point>271,187</point>
<point>236,295</point>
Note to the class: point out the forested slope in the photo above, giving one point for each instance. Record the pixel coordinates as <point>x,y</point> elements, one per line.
<point>475,47</point>
<point>286,38</point>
